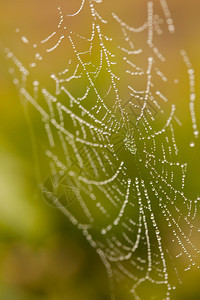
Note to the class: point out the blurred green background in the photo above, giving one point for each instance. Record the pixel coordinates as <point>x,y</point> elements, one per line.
<point>42,256</point>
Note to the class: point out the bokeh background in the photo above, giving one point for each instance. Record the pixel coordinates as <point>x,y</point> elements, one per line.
<point>42,256</point>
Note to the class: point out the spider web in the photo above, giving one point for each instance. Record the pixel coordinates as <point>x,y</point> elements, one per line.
<point>109,127</point>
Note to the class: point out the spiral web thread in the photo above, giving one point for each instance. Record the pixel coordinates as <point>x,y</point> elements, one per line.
<point>121,155</point>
